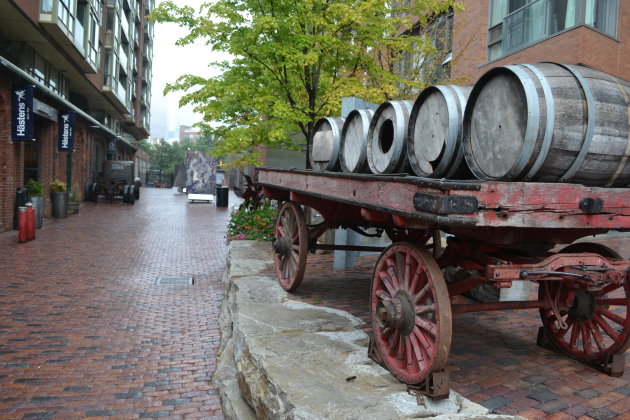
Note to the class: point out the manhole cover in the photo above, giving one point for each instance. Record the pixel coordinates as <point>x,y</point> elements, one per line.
<point>174,281</point>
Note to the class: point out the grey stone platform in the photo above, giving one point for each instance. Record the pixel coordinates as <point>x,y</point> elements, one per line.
<point>284,359</point>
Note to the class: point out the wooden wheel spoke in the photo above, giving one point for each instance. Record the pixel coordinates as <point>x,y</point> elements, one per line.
<point>608,288</point>
<point>417,351</point>
<point>586,338</point>
<point>423,309</point>
<point>421,294</point>
<point>426,344</point>
<point>614,301</point>
<point>400,348</point>
<point>610,315</point>
<point>406,283</point>
<point>414,281</point>
<point>605,326</point>
<point>597,336</point>
<point>387,332</point>
<point>282,232</point>
<point>387,283</point>
<point>393,341</point>
<point>382,295</point>
<point>574,335</point>
<point>409,358</point>
<point>393,274</point>
<point>428,326</point>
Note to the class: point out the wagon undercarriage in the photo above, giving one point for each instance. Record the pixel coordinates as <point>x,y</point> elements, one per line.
<point>504,232</point>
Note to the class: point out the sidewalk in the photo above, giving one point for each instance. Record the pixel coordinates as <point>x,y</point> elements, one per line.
<point>86,332</point>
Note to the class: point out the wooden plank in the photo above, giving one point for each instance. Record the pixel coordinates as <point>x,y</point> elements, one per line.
<point>502,204</point>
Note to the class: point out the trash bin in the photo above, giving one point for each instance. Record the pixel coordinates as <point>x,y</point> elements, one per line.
<point>222,196</point>
<point>20,201</point>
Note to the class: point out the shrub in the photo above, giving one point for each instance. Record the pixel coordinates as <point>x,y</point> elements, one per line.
<point>34,188</point>
<point>57,186</point>
<point>75,197</point>
<point>253,224</point>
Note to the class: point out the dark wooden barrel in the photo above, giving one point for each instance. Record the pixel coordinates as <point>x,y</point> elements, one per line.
<point>324,150</point>
<point>434,138</point>
<point>386,146</point>
<point>354,135</point>
<point>549,122</point>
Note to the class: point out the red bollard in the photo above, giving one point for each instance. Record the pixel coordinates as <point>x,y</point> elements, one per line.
<point>22,225</point>
<point>31,221</point>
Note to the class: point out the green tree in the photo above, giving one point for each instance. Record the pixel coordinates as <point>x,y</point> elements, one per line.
<point>164,157</point>
<point>294,60</point>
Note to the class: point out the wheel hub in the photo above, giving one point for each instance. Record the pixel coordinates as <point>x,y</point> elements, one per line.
<point>583,306</point>
<point>397,312</point>
<point>283,246</point>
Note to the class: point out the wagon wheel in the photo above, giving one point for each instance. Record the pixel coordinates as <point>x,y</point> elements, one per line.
<point>411,312</point>
<point>290,246</point>
<point>594,324</point>
<point>408,235</point>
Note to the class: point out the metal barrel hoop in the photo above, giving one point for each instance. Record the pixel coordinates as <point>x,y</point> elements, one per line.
<point>533,121</point>
<point>590,124</point>
<point>459,147</point>
<point>549,123</point>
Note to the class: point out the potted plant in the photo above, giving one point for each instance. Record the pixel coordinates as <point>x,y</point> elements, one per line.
<point>75,202</point>
<point>59,198</point>
<point>35,195</point>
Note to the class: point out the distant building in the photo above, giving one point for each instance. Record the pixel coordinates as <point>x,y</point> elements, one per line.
<point>87,60</point>
<point>188,132</point>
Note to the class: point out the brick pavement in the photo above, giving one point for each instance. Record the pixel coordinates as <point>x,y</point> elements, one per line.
<point>494,359</point>
<point>86,332</point>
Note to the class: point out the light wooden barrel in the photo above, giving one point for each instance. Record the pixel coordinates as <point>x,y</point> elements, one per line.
<point>324,150</point>
<point>434,138</point>
<point>354,136</point>
<point>549,122</point>
<point>386,146</point>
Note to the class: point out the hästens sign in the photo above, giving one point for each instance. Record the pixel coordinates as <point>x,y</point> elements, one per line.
<point>22,113</point>
<point>65,139</point>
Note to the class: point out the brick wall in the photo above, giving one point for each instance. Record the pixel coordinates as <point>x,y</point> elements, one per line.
<point>52,164</point>
<point>579,45</point>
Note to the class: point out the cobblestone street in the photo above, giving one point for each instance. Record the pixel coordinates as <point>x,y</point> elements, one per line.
<point>85,331</point>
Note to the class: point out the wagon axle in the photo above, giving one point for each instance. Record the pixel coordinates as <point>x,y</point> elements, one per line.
<point>398,312</point>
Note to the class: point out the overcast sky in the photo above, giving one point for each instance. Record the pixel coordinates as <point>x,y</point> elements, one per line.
<point>170,62</point>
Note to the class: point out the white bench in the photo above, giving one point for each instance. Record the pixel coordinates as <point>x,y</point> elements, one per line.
<point>200,197</point>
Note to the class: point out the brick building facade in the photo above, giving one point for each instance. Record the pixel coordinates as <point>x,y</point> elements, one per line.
<point>92,57</point>
<point>595,33</point>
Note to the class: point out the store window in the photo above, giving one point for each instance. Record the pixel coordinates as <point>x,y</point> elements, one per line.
<point>515,24</point>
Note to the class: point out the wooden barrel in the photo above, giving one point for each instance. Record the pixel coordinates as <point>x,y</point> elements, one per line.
<point>434,138</point>
<point>549,122</point>
<point>324,150</point>
<point>386,146</point>
<point>354,135</point>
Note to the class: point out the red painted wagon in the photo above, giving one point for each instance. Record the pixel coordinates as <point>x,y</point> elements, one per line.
<point>503,230</point>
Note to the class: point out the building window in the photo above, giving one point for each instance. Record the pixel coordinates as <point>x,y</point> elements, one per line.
<point>65,14</point>
<point>434,66</point>
<point>514,24</point>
